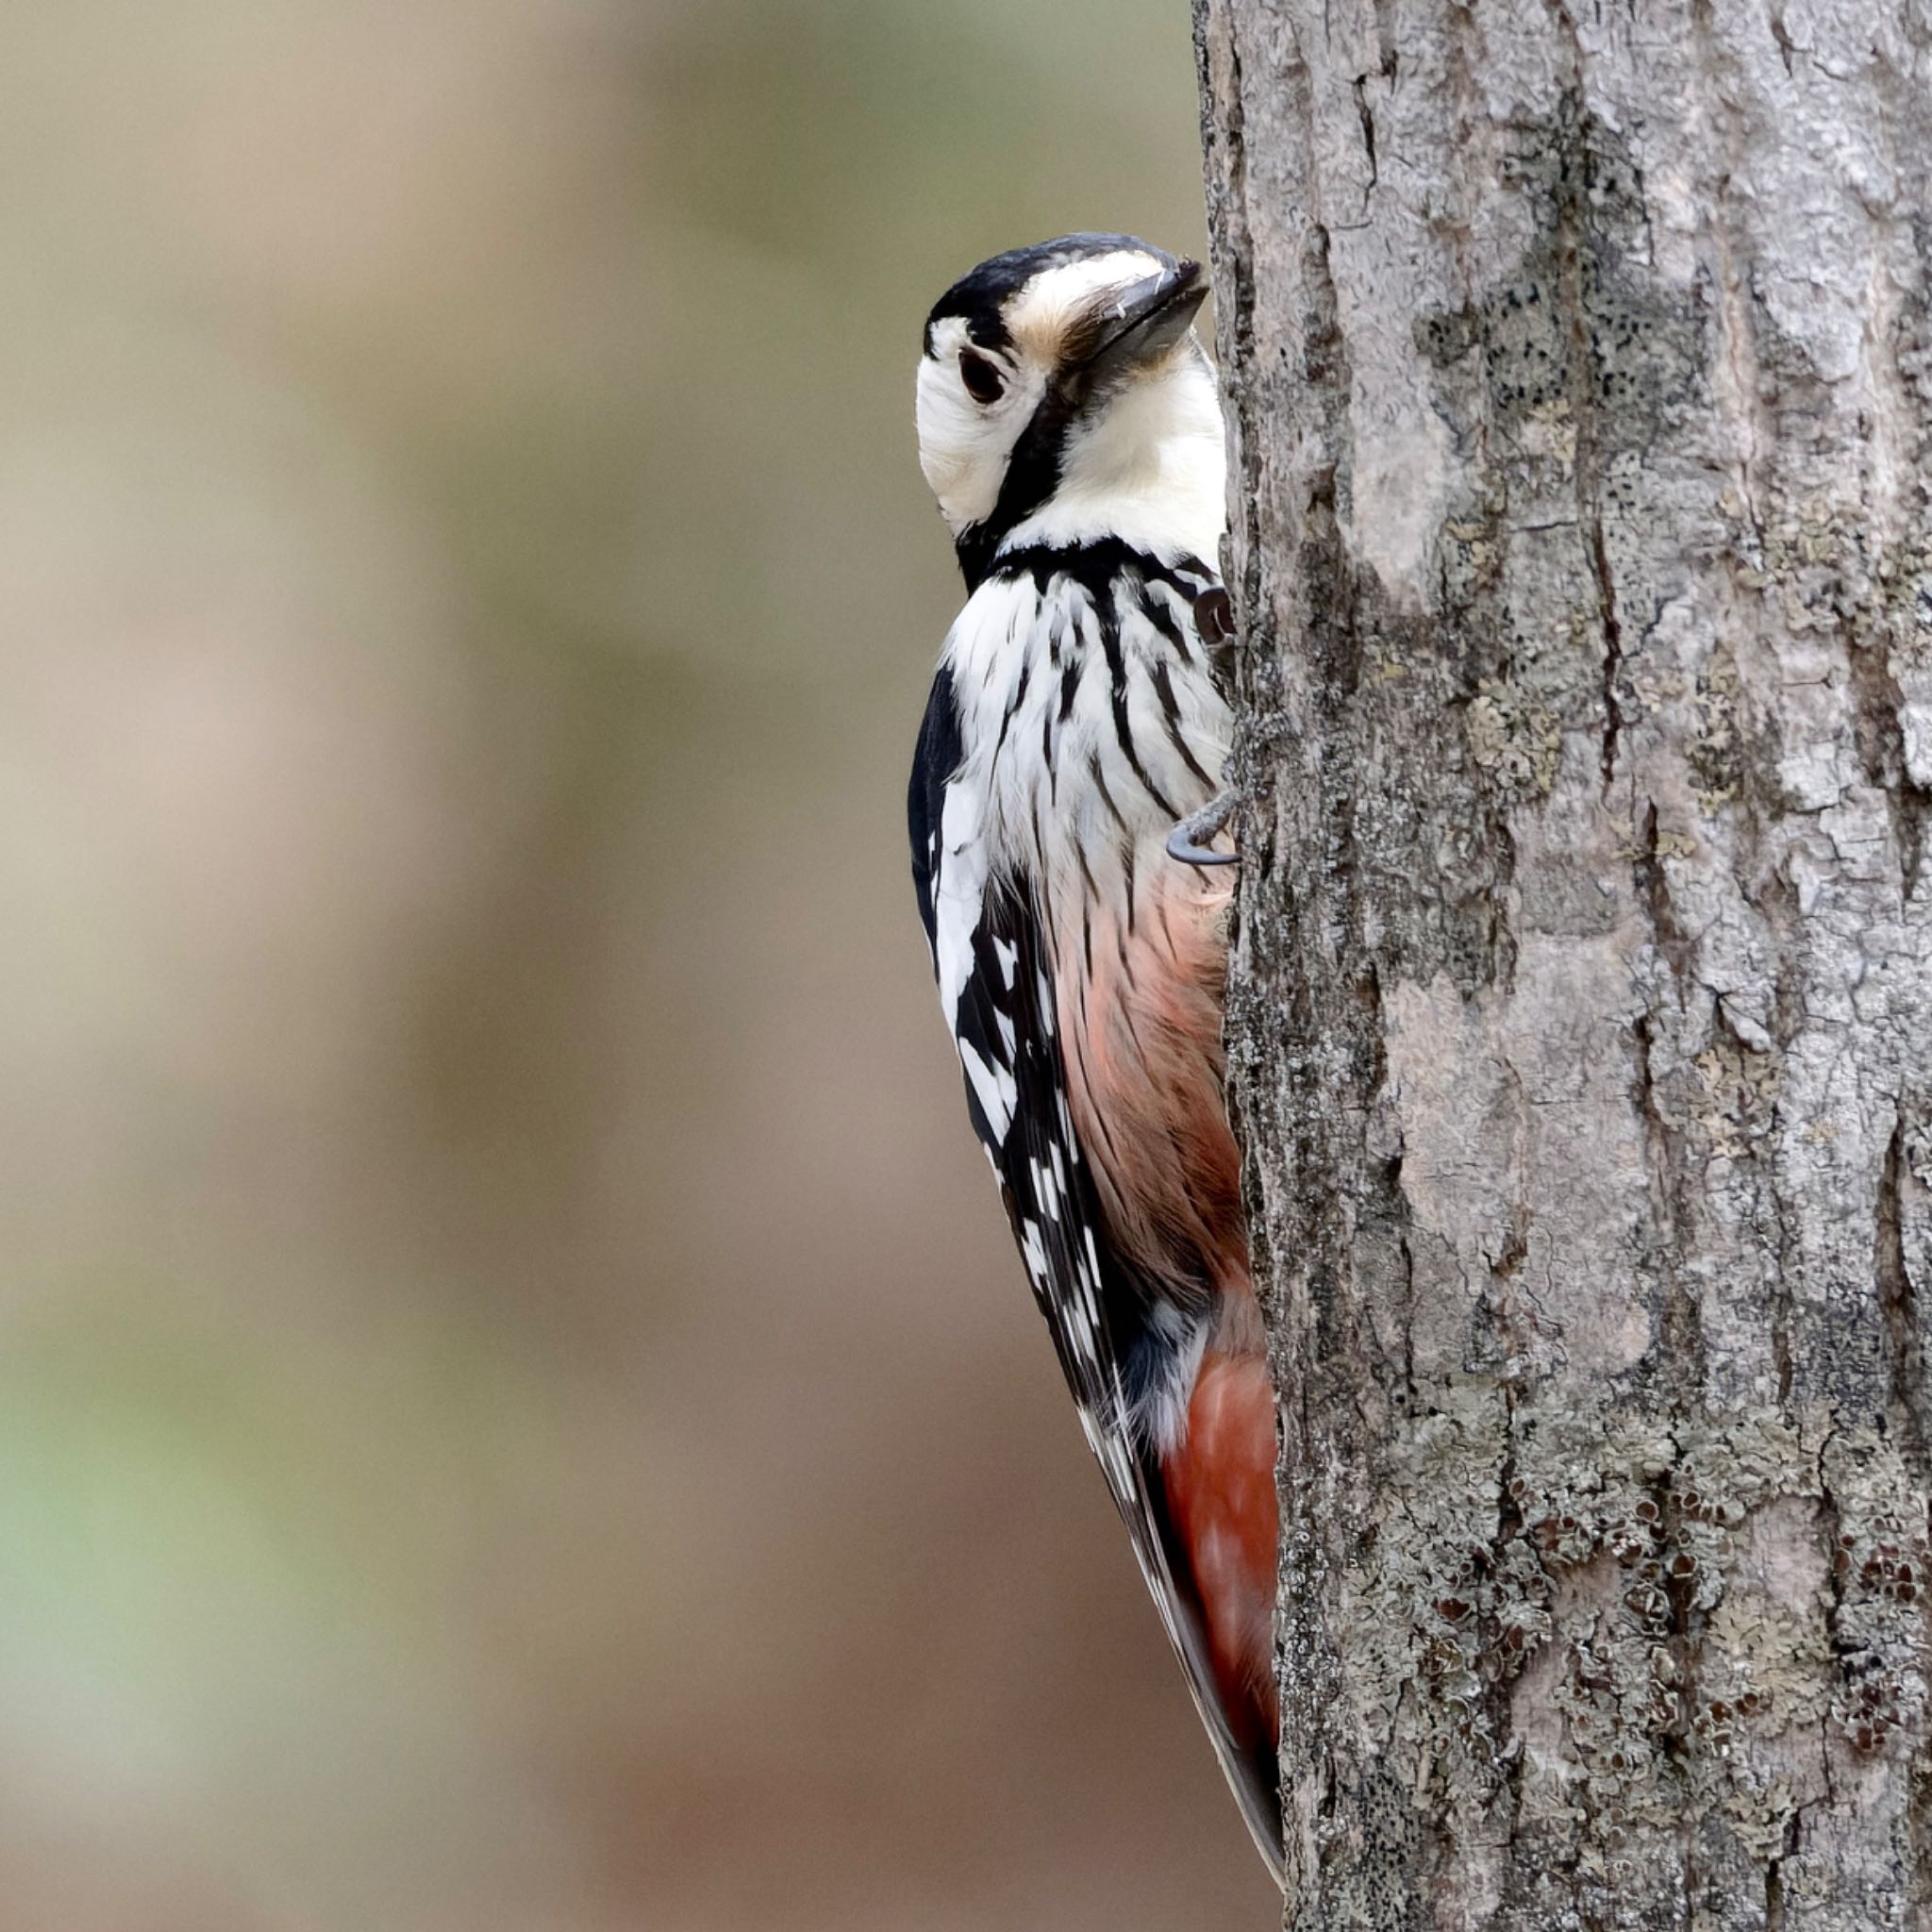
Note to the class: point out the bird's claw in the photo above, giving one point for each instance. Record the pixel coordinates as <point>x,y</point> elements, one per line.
<point>1187,842</point>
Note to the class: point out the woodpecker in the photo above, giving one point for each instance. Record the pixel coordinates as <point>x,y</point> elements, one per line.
<point>1065,787</point>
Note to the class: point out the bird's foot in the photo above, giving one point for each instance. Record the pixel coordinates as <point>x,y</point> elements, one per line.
<point>1187,842</point>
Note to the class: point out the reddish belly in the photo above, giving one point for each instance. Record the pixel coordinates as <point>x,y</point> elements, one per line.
<point>1144,999</point>
<point>1140,1007</point>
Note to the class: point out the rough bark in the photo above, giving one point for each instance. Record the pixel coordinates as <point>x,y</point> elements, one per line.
<point>1579,363</point>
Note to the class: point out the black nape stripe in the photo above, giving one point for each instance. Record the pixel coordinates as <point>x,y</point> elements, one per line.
<point>1097,566</point>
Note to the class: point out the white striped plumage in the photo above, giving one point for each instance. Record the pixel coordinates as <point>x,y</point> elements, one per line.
<point>1009,653</point>
<point>1089,723</point>
<point>1069,426</point>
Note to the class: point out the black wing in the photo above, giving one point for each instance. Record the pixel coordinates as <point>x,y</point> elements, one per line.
<point>1114,1334</point>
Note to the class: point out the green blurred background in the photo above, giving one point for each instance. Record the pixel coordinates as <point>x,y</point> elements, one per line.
<point>517,1409</point>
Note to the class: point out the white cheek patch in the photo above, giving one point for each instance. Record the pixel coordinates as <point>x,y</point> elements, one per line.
<point>964,445</point>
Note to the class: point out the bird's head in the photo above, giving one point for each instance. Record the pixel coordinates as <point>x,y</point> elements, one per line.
<point>1063,397</point>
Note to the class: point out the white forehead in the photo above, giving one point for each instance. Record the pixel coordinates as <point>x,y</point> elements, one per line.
<point>1036,315</point>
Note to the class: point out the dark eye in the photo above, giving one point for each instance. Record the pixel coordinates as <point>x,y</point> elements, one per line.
<point>983,380</point>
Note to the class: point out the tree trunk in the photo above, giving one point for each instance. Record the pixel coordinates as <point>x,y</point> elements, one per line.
<point>1579,367</point>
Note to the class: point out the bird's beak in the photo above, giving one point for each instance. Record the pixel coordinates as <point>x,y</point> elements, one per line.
<point>1141,322</point>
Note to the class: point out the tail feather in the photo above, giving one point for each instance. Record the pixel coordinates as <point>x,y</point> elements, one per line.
<point>1217,1480</point>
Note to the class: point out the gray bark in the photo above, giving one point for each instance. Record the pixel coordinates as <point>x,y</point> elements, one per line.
<point>1580,366</point>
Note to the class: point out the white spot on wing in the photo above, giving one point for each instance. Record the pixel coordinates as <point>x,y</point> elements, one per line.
<point>958,891</point>
<point>1034,1252</point>
<point>993,1087</point>
<point>1048,1188</point>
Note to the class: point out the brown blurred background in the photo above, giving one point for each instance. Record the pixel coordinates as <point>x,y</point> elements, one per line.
<point>517,1409</point>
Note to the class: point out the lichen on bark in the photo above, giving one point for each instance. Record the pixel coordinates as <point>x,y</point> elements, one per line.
<point>1579,377</point>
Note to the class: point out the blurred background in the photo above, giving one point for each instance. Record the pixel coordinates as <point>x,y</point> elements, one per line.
<point>517,1407</point>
